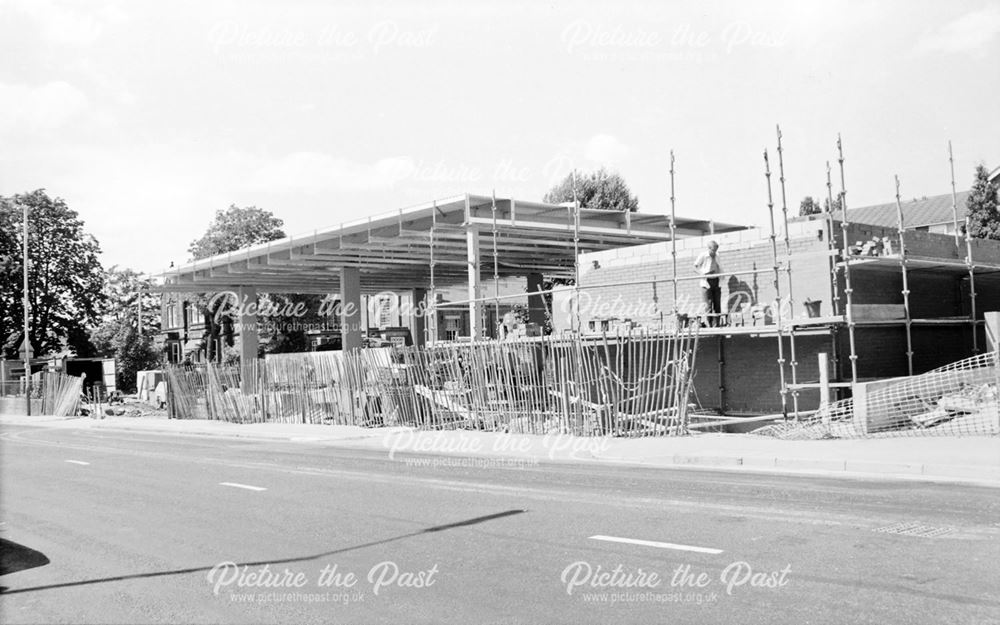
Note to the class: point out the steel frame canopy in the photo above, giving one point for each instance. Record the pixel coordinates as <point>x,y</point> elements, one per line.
<point>393,251</point>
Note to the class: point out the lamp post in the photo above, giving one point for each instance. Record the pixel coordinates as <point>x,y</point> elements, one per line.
<point>26,344</point>
<point>138,314</point>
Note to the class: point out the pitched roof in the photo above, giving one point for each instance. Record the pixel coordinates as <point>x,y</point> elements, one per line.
<point>927,211</point>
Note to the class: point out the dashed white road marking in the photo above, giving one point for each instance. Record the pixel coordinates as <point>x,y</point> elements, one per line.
<point>78,462</point>
<point>653,543</point>
<point>244,486</point>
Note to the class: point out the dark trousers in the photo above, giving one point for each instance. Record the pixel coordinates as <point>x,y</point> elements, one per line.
<point>712,299</point>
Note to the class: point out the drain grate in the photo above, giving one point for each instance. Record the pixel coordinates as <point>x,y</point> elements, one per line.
<point>915,529</point>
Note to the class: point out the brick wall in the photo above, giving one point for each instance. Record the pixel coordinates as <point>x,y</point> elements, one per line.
<point>881,350</point>
<point>934,295</point>
<point>748,373</point>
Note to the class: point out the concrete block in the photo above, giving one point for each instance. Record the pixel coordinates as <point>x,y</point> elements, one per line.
<point>980,473</point>
<point>709,461</point>
<point>810,464</point>
<point>758,462</point>
<point>891,468</point>
<point>878,312</point>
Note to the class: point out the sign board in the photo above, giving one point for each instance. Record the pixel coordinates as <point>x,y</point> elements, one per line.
<point>399,337</point>
<point>20,350</point>
<point>108,369</point>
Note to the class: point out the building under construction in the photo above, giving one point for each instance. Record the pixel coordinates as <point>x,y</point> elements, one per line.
<point>811,306</point>
<point>893,306</point>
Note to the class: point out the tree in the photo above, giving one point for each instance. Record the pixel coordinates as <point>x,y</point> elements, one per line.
<point>600,190</point>
<point>836,206</point>
<point>981,204</point>
<point>124,288</point>
<point>133,352</point>
<point>230,230</point>
<point>118,335</point>
<point>236,228</point>
<point>286,333</point>
<point>809,207</point>
<point>65,278</point>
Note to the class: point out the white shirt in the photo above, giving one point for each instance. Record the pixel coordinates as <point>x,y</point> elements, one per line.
<point>707,264</point>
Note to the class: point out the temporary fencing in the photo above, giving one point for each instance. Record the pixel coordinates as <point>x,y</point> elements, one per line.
<point>631,383</point>
<point>957,399</point>
<point>52,394</point>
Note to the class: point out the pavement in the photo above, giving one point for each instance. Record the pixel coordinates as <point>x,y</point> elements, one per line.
<point>954,459</point>
<point>108,525</point>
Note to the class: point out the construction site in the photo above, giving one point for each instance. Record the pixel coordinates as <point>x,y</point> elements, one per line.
<point>828,327</point>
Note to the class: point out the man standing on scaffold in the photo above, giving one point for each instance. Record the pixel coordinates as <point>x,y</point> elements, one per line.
<point>707,264</point>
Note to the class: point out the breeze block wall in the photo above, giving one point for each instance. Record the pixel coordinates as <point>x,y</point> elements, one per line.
<point>636,283</point>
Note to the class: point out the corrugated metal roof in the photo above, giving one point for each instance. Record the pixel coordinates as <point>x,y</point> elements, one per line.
<point>916,213</point>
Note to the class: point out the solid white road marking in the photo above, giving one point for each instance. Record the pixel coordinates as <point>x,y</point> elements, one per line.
<point>653,543</point>
<point>78,462</point>
<point>246,486</point>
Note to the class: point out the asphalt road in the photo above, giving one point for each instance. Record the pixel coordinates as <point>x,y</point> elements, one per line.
<point>120,527</point>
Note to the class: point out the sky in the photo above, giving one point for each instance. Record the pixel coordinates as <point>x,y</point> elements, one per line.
<point>147,117</point>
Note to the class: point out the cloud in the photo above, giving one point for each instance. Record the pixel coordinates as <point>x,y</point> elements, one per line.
<point>60,24</point>
<point>605,149</point>
<point>40,108</point>
<point>313,172</point>
<point>971,33</point>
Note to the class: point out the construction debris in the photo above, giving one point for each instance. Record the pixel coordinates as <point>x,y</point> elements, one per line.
<point>961,398</point>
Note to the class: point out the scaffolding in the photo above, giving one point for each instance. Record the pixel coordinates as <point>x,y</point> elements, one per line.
<point>972,286</point>
<point>673,237</point>
<point>906,282</point>
<point>831,245</point>
<point>843,262</point>
<point>496,266</point>
<point>954,197</point>
<point>431,329</point>
<point>968,250</point>
<point>788,273</point>
<point>777,290</point>
<point>848,291</point>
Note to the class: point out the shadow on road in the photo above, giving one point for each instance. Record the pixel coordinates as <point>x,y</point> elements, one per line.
<point>15,557</point>
<point>197,569</point>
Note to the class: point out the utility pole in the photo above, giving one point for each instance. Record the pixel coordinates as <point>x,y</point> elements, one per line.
<point>138,303</point>
<point>27,320</point>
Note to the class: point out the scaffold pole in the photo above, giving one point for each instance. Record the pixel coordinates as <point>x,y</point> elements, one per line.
<point>848,291</point>
<point>496,270</point>
<point>777,289</point>
<point>973,315</point>
<point>832,244</point>
<point>788,275</point>
<point>906,282</point>
<point>431,328</point>
<point>576,257</point>
<point>673,238</point>
<point>954,196</point>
